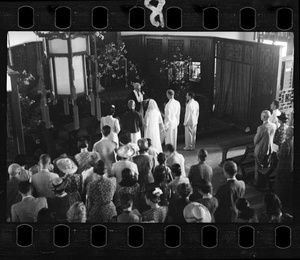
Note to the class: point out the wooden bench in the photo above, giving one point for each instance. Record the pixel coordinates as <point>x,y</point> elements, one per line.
<point>237,142</point>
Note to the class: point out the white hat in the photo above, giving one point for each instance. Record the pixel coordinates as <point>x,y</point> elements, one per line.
<point>195,212</point>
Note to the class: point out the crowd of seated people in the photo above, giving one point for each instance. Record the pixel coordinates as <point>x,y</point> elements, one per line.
<point>127,183</point>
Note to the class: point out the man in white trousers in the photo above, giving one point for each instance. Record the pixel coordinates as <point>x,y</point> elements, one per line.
<point>172,118</point>
<point>191,121</point>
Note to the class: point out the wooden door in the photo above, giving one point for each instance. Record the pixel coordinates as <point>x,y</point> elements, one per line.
<point>265,81</point>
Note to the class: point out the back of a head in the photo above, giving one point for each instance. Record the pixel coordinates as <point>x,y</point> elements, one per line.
<point>161,158</point>
<point>230,168</point>
<point>246,212</point>
<point>99,168</point>
<point>149,142</point>
<point>111,110</point>
<point>171,92</point>
<point>128,179</point>
<point>273,204</point>
<point>45,159</point>
<point>14,169</point>
<point>131,104</point>
<point>153,194</point>
<point>206,187</point>
<point>82,143</point>
<point>143,144</point>
<point>176,169</point>
<point>191,94</point>
<point>184,190</point>
<point>106,130</point>
<point>267,114</point>
<point>126,200</point>
<point>202,154</point>
<point>169,148</point>
<point>24,187</point>
<point>124,137</point>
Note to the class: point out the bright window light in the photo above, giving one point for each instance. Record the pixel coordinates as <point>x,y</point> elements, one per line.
<point>283,44</point>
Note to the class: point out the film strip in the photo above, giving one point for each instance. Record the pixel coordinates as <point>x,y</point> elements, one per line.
<point>158,240</point>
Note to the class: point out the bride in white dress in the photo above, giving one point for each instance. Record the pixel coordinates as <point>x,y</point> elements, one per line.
<point>153,122</point>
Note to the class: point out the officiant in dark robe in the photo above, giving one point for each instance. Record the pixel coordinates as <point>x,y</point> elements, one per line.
<point>139,97</point>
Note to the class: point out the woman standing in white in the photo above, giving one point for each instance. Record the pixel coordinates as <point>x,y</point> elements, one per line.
<point>172,119</point>
<point>191,121</point>
<point>153,121</point>
<point>113,123</point>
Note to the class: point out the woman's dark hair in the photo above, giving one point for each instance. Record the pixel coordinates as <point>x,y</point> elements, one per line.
<point>126,200</point>
<point>161,158</point>
<point>45,216</point>
<point>206,187</point>
<point>176,169</point>
<point>149,142</point>
<point>128,179</point>
<point>155,198</point>
<point>99,168</point>
<point>82,143</point>
<point>160,175</point>
<point>246,212</point>
<point>124,137</point>
<point>184,190</point>
<point>273,204</point>
<point>170,148</point>
<point>111,110</point>
<point>191,94</point>
<point>24,187</point>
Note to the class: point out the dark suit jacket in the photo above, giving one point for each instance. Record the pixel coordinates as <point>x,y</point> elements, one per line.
<point>13,195</point>
<point>132,121</point>
<point>227,195</point>
<point>137,104</point>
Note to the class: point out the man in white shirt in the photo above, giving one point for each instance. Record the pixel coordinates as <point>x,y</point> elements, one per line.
<point>41,180</point>
<point>106,149</point>
<point>172,119</point>
<point>191,121</point>
<point>275,113</point>
<point>174,157</point>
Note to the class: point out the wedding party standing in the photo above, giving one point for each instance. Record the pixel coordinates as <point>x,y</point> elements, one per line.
<point>191,121</point>
<point>172,118</point>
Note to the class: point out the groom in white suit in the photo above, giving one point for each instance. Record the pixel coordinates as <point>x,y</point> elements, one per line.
<point>191,121</point>
<point>172,119</point>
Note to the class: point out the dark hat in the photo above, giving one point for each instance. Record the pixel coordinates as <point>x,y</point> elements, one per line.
<point>283,117</point>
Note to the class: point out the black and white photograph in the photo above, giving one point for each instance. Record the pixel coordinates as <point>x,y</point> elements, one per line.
<point>150,127</point>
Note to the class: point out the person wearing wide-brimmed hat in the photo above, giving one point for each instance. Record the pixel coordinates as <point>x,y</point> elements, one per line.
<point>62,201</point>
<point>69,169</point>
<point>195,212</point>
<point>125,152</point>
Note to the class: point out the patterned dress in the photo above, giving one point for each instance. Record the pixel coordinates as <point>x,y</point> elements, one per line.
<point>132,190</point>
<point>157,215</point>
<point>100,194</point>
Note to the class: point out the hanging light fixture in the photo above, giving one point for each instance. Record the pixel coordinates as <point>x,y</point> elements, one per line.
<point>66,52</point>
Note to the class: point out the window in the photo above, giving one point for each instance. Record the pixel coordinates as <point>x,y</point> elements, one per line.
<point>282,44</point>
<point>195,71</point>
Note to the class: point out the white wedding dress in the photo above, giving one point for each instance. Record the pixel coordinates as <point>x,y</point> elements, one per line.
<point>152,121</point>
